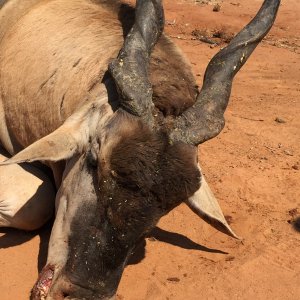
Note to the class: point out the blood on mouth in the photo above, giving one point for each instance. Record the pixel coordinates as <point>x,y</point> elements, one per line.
<point>42,287</point>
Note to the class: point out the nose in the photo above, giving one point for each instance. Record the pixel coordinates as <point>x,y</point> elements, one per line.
<point>63,289</point>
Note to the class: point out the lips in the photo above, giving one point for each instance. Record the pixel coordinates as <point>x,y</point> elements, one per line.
<point>42,286</point>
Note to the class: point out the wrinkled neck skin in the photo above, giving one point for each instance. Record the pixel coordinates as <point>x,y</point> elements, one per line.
<point>104,209</point>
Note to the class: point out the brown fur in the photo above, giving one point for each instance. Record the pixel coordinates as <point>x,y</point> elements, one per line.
<point>66,59</point>
<point>174,87</point>
<point>120,177</point>
<point>144,161</point>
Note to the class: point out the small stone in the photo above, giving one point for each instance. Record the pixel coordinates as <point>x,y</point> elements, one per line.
<point>217,7</point>
<point>279,120</point>
<point>296,167</point>
<point>229,219</point>
<point>152,239</point>
<point>230,258</point>
<point>288,152</point>
<point>293,212</point>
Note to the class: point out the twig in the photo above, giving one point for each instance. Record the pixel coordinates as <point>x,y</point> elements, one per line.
<point>250,119</point>
<point>178,37</point>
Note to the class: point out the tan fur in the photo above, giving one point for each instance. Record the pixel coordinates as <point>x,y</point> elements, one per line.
<point>48,95</point>
<point>54,58</point>
<point>26,196</point>
<point>70,138</point>
<point>6,141</point>
<point>174,87</point>
<point>12,11</point>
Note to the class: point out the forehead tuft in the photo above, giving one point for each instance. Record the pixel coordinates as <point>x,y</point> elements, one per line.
<point>145,160</point>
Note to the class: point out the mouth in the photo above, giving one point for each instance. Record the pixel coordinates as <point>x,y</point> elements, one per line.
<point>42,286</point>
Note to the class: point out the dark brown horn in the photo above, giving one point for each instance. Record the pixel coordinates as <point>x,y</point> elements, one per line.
<point>205,119</point>
<point>130,68</point>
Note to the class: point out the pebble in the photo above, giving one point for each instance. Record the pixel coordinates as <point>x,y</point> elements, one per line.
<point>279,120</point>
<point>217,8</point>
<point>288,152</point>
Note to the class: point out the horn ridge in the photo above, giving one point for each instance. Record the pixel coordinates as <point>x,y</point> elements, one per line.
<point>205,119</point>
<point>130,69</point>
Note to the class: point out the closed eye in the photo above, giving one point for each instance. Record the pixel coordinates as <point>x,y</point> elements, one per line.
<point>91,160</point>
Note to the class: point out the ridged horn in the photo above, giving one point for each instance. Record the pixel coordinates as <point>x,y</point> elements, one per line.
<point>205,119</point>
<point>130,69</point>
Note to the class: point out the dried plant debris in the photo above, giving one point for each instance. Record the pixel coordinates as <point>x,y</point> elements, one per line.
<point>216,36</point>
<point>210,2</point>
<point>291,44</point>
<point>173,279</point>
<point>294,213</point>
<point>223,34</point>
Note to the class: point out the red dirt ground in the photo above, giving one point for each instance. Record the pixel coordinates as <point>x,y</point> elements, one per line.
<point>253,168</point>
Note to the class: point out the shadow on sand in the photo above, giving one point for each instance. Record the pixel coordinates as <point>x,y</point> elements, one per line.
<point>296,224</point>
<point>171,238</point>
<point>13,237</point>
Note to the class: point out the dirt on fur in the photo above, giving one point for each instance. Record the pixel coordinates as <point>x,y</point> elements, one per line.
<point>253,166</point>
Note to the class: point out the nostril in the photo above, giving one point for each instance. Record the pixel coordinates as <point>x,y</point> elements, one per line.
<point>66,295</point>
<point>61,293</point>
<point>62,289</point>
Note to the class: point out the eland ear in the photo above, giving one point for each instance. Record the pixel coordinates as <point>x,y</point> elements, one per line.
<point>206,206</point>
<point>56,146</point>
<point>65,141</point>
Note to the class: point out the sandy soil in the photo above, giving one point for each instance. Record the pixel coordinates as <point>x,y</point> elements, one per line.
<point>253,168</point>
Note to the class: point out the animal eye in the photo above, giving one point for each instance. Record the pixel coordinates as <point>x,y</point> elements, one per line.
<point>91,159</point>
